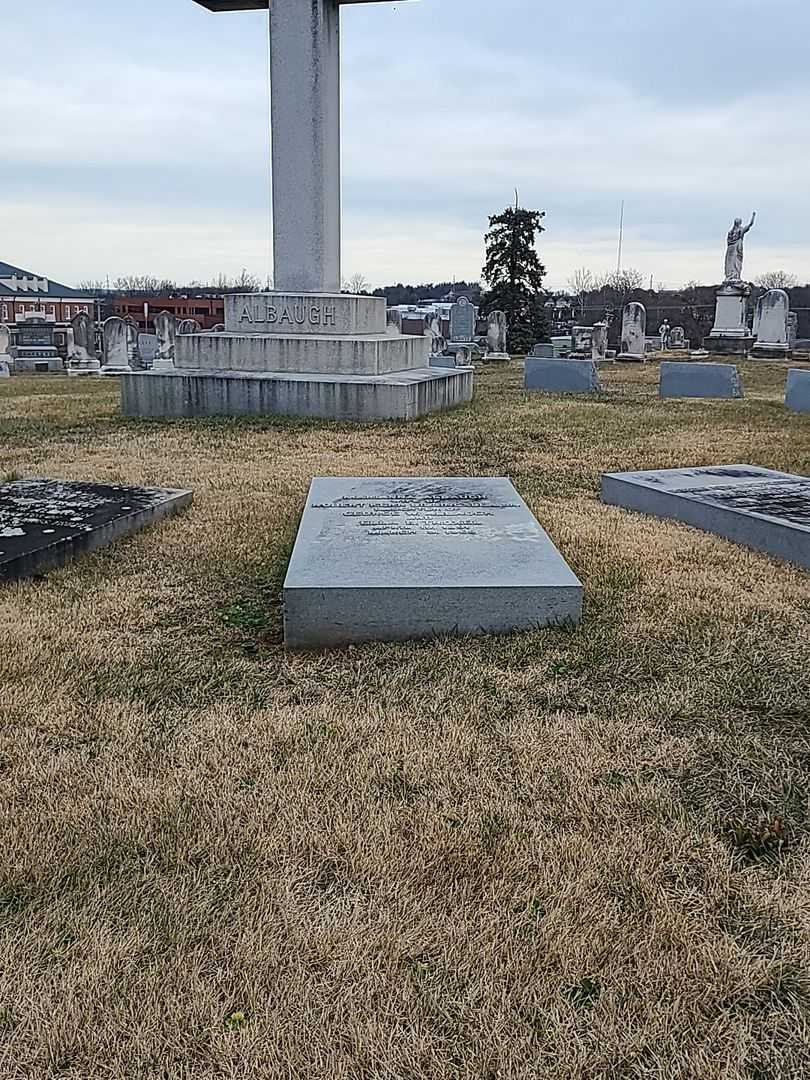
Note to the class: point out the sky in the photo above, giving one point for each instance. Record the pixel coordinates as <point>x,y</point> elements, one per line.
<point>135,137</point>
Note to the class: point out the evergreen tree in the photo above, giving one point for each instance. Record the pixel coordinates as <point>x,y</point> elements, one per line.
<point>514,274</point>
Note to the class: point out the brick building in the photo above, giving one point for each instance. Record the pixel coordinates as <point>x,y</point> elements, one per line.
<point>209,311</point>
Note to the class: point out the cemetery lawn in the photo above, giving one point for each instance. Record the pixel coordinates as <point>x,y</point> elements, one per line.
<point>564,854</point>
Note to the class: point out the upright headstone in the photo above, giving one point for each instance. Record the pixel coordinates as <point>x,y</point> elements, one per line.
<point>189,326</point>
<point>133,331</point>
<point>462,320</point>
<point>165,330</point>
<point>496,337</point>
<point>634,331</point>
<point>393,321</point>
<point>678,338</point>
<point>771,328</point>
<point>116,347</point>
<point>793,329</point>
<point>581,342</point>
<point>599,342</point>
<point>5,356</point>
<point>797,390</point>
<point>82,358</point>
<point>543,349</point>
<point>147,349</point>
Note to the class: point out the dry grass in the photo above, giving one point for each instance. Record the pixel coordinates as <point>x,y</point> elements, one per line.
<point>578,854</point>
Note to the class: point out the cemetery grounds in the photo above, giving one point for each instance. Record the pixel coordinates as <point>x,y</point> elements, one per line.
<point>581,853</point>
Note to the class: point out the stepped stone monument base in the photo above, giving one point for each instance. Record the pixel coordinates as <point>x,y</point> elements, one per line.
<point>730,335</point>
<point>299,354</point>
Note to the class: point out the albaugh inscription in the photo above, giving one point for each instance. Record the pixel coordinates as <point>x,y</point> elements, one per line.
<point>297,314</point>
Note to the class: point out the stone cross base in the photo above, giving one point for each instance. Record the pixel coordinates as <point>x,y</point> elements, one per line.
<point>764,350</point>
<point>326,355</point>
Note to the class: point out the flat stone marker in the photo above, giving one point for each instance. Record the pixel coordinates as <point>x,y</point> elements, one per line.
<point>760,508</point>
<point>395,558</point>
<point>561,376</point>
<point>699,380</point>
<point>47,523</point>
<point>797,391</point>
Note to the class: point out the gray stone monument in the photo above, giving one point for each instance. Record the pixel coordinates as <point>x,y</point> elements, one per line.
<point>678,338</point>
<point>496,338</point>
<point>730,335</point>
<point>393,558</point>
<point>116,347</point>
<point>634,332</point>
<point>82,358</point>
<point>763,509</point>
<point>797,390</point>
<point>462,320</point>
<point>771,326</point>
<point>599,342</point>
<point>166,333</point>
<point>692,380</point>
<point>561,376</point>
<point>5,356</point>
<point>582,342</point>
<point>304,349</point>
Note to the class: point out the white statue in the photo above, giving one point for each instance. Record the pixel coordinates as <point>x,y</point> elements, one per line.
<point>734,252</point>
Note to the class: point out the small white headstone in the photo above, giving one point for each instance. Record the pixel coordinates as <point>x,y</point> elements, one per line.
<point>165,330</point>
<point>116,351</point>
<point>771,327</point>
<point>634,331</point>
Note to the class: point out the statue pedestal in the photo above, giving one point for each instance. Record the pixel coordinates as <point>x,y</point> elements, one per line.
<point>730,335</point>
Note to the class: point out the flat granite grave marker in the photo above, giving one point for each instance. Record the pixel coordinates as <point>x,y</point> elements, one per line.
<point>690,380</point>
<point>763,509</point>
<point>46,523</point>
<point>395,558</point>
<point>561,376</point>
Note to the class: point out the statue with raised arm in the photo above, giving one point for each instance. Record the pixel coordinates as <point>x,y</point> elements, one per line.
<point>734,252</point>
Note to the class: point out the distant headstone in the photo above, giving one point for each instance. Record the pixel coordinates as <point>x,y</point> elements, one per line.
<point>678,338</point>
<point>690,380</point>
<point>116,347</point>
<point>496,337</point>
<point>543,349</point>
<point>561,376</point>
<point>218,329</point>
<point>437,342</point>
<point>393,318</point>
<point>47,523</point>
<point>394,558</point>
<point>771,328</point>
<point>634,330</point>
<point>793,329</point>
<point>5,356</point>
<point>165,331</point>
<point>147,348</point>
<point>462,320</point>
<point>763,509</point>
<point>189,326</point>
<point>582,341</point>
<point>599,342</point>
<point>83,357</point>
<point>442,361</point>
<point>464,356</point>
<point>797,391</point>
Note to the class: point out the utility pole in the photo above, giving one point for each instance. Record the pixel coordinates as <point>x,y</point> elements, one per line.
<point>621,240</point>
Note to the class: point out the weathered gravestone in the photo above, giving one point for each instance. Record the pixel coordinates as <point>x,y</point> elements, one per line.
<point>760,508</point>
<point>496,338</point>
<point>582,342</point>
<point>148,348</point>
<point>5,356</point>
<point>462,320</point>
<point>678,338</point>
<point>166,332</point>
<point>793,329</point>
<point>47,523</point>
<point>133,332</point>
<point>797,390</point>
<point>543,349</point>
<point>690,380</point>
<point>82,358</point>
<point>116,347</point>
<point>393,558</point>
<point>771,326</point>
<point>634,331</point>
<point>561,376</point>
<point>599,342</point>
<point>189,326</point>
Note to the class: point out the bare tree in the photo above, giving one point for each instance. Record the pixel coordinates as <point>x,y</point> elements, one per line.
<point>581,282</point>
<point>777,279</point>
<point>356,285</point>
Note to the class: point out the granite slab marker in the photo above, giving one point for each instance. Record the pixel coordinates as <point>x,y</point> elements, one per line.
<point>395,558</point>
<point>759,508</point>
<point>685,379</point>
<point>561,376</point>
<point>47,523</point>
<point>797,390</point>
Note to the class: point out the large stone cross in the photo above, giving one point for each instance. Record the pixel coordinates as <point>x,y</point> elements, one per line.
<point>305,121</point>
